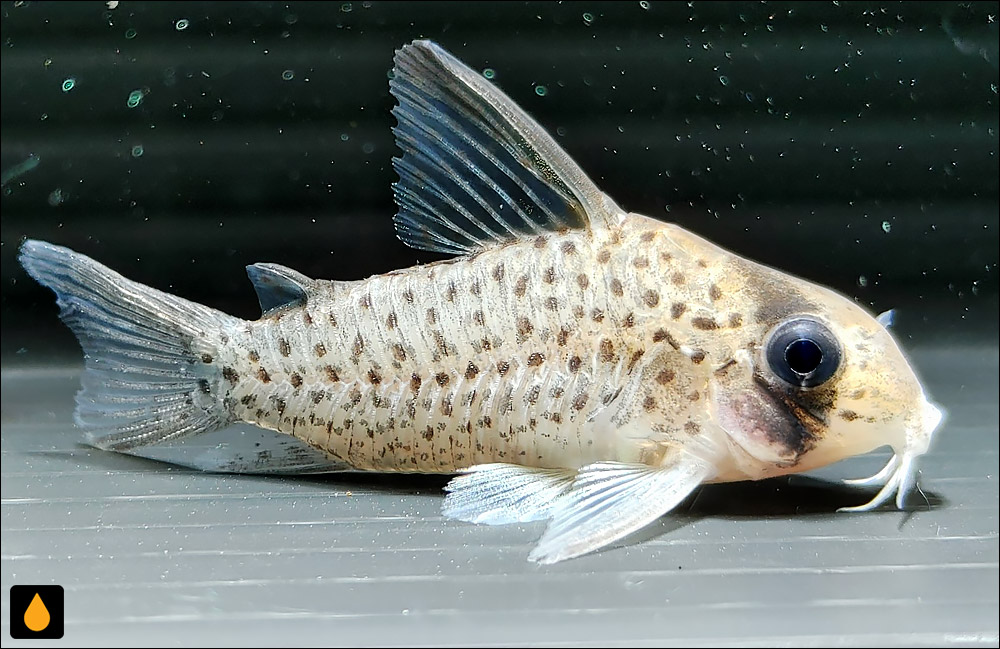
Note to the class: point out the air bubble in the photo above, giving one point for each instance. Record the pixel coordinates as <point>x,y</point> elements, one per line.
<point>489,73</point>
<point>137,151</point>
<point>588,19</point>
<point>134,98</point>
<point>288,75</point>
<point>724,80</point>
<point>862,281</point>
<point>130,34</point>
<point>182,24</point>
<point>541,91</point>
<point>68,84</point>
<point>56,197</point>
<point>886,227</point>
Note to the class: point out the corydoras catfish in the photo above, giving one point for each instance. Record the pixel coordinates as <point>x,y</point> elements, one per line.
<point>573,362</point>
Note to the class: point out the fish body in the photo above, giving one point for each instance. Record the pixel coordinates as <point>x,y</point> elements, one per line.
<point>575,362</point>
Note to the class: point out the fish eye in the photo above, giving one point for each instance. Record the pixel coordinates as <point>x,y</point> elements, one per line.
<point>803,352</point>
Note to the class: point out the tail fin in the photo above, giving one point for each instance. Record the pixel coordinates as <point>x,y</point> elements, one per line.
<point>150,375</point>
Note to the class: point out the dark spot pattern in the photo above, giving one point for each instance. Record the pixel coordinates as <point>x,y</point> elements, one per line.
<point>524,328</point>
<point>705,324</point>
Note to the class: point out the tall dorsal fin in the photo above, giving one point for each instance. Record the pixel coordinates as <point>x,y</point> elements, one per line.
<point>476,170</point>
<point>278,286</point>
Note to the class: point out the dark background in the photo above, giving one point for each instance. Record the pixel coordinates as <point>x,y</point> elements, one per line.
<point>854,144</point>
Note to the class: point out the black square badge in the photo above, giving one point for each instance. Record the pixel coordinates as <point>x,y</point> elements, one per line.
<point>36,612</point>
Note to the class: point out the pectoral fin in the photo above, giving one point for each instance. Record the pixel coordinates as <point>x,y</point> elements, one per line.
<point>609,500</point>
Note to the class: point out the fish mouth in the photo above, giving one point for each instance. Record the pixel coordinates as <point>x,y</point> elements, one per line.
<point>899,476</point>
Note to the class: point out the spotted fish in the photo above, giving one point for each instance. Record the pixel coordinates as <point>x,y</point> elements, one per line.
<point>572,363</point>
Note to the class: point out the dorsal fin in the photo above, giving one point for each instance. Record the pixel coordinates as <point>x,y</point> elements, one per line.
<point>476,170</point>
<point>278,286</point>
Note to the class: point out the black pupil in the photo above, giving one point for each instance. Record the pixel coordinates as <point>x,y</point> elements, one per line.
<point>803,356</point>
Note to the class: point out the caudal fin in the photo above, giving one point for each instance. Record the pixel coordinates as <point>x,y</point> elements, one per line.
<point>150,373</point>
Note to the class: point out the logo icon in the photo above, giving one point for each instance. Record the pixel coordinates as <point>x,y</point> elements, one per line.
<point>36,612</point>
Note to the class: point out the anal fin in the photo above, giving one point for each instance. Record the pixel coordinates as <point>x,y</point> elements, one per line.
<point>247,449</point>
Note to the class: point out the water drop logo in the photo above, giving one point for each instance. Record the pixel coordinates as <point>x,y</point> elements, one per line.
<point>36,612</point>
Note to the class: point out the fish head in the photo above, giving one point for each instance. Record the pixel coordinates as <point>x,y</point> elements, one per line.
<point>815,379</point>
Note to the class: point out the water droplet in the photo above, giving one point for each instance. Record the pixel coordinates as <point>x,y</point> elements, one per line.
<point>862,281</point>
<point>724,80</point>
<point>69,84</point>
<point>36,617</point>
<point>588,19</point>
<point>541,91</point>
<point>886,227</point>
<point>489,73</point>
<point>182,24</point>
<point>288,75</point>
<point>135,98</point>
<point>130,34</point>
<point>137,151</point>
